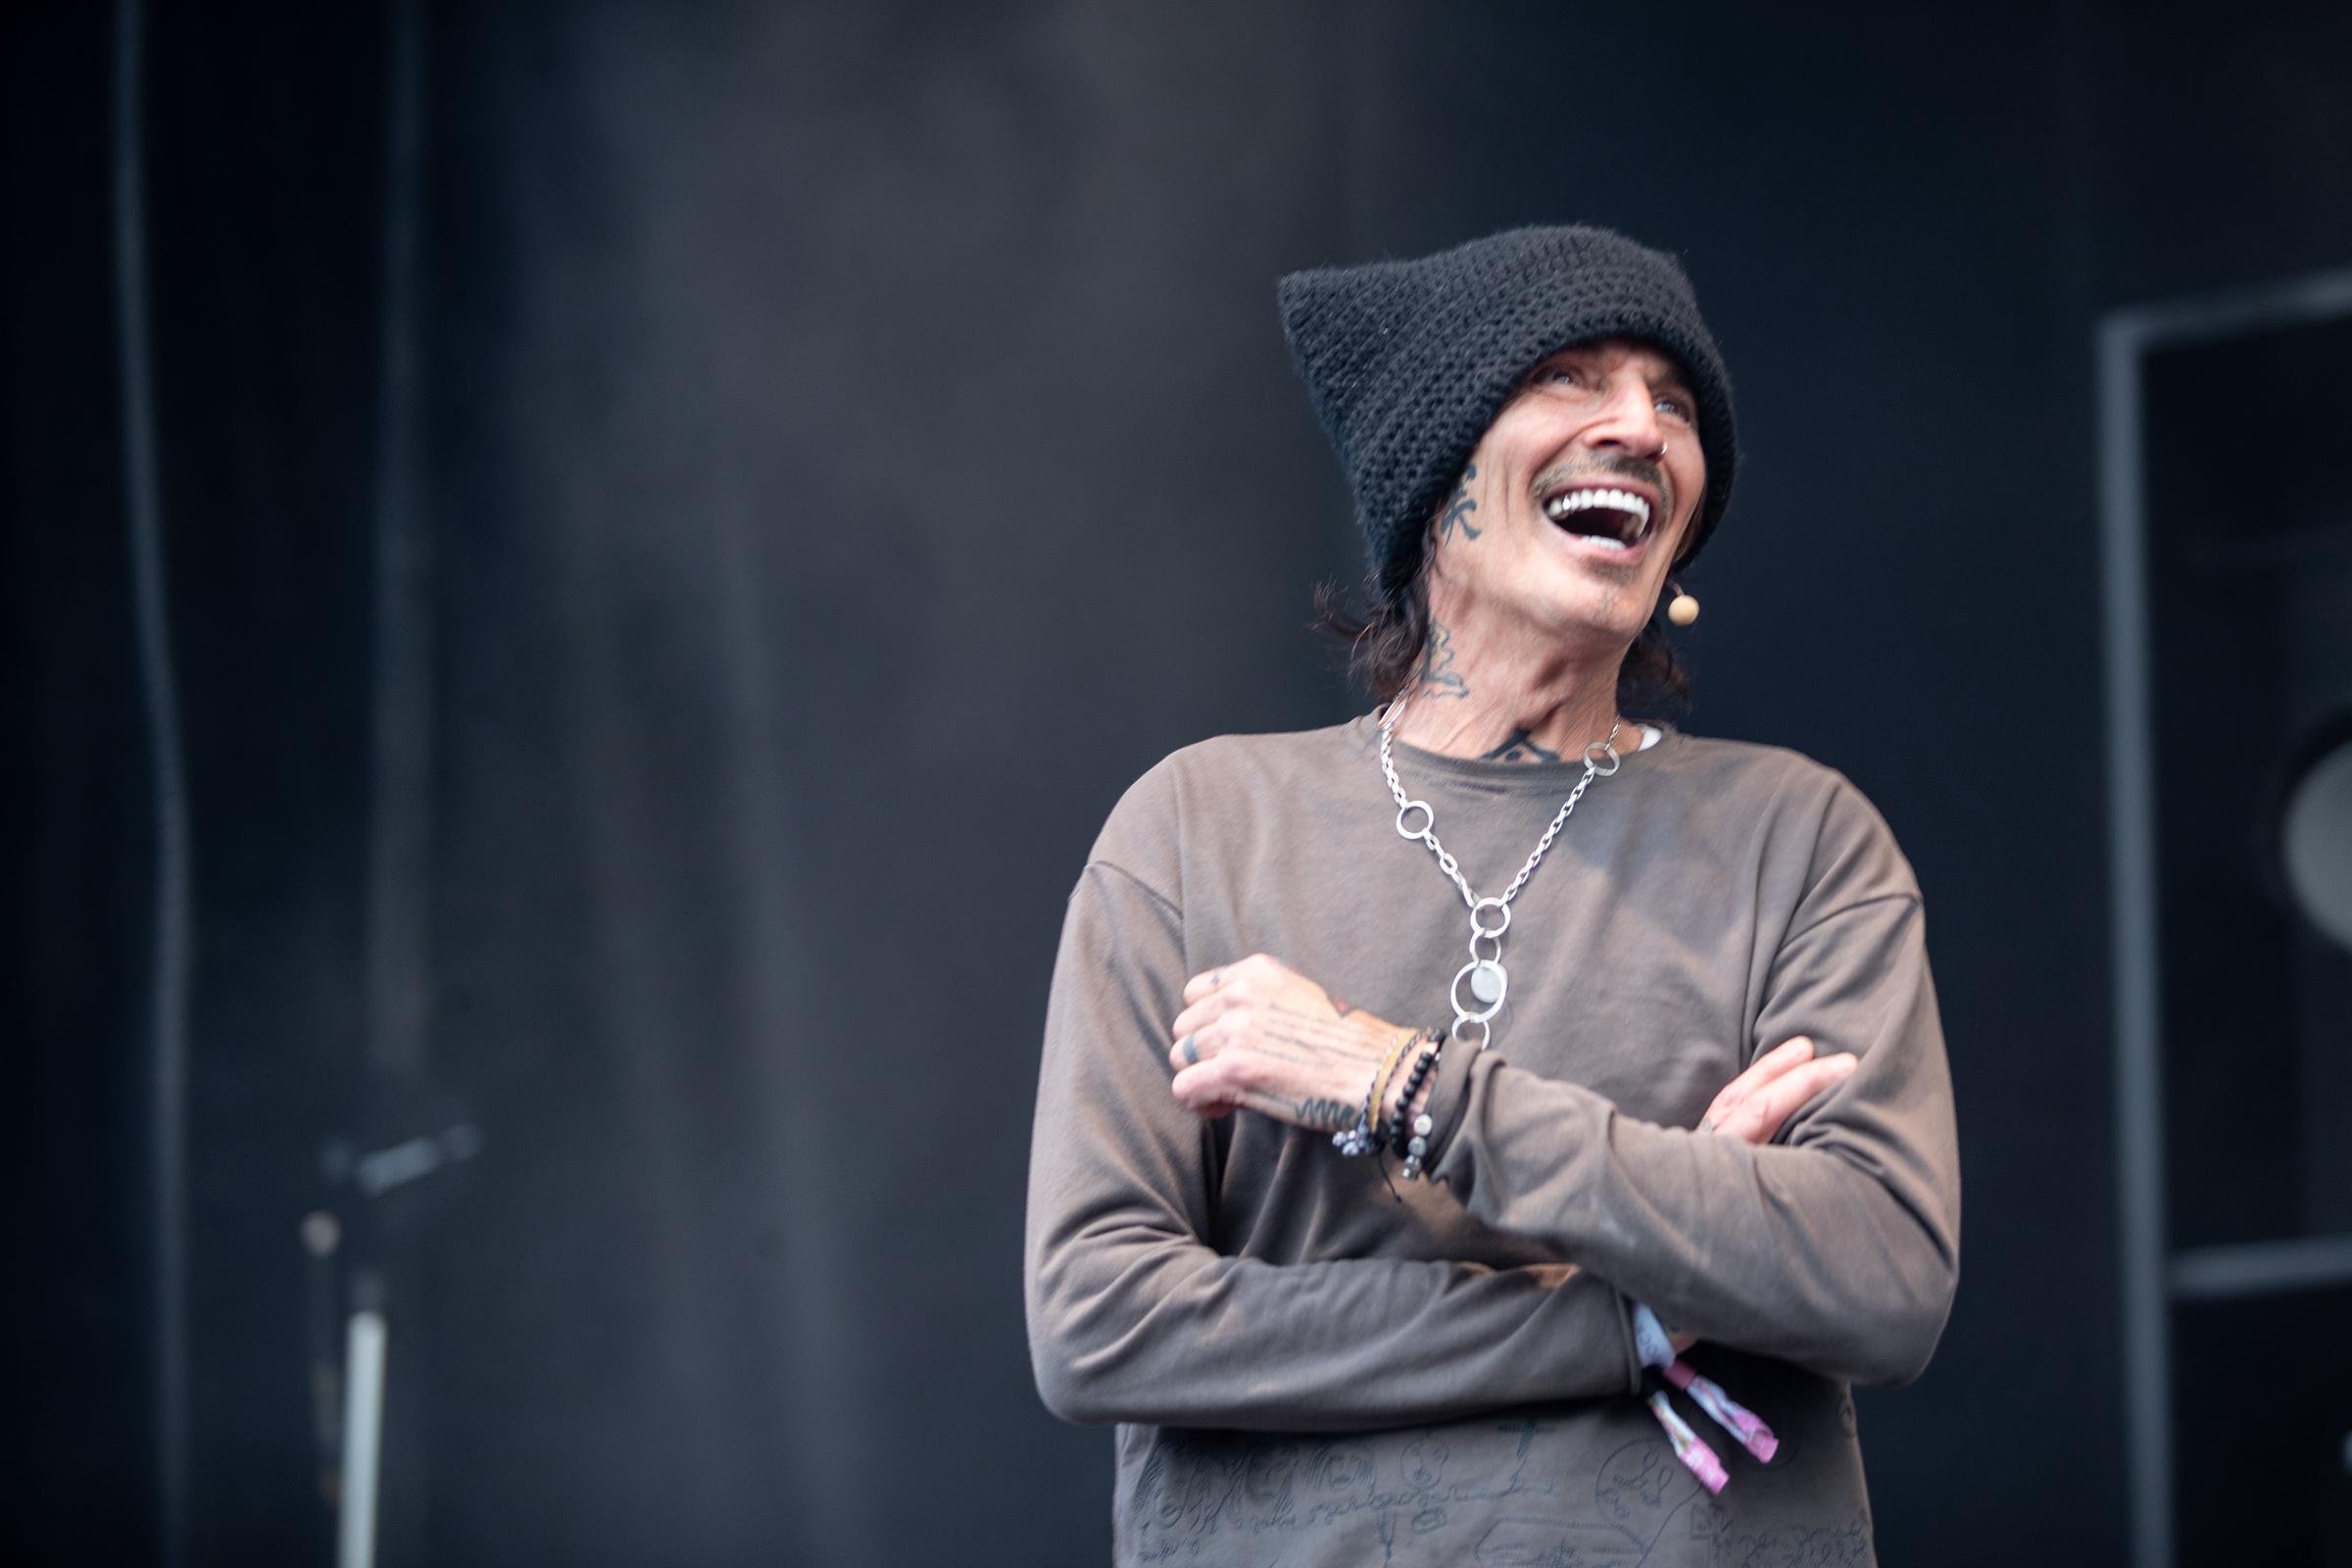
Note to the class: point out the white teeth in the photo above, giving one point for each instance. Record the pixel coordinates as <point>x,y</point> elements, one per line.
<point>1625,501</point>
<point>1585,500</point>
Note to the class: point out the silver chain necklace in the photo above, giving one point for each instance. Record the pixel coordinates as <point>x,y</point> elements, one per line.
<point>1490,918</point>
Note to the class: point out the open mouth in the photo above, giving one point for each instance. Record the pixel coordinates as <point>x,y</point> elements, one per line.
<point>1610,518</point>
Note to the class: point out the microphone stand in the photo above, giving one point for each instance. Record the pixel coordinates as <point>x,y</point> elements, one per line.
<point>345,1245</point>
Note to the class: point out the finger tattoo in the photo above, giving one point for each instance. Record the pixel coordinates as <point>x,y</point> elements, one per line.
<point>1192,1050</point>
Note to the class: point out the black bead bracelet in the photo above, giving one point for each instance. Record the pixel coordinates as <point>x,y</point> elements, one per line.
<point>1407,1132</point>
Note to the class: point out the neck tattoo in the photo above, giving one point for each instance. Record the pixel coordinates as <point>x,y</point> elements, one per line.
<point>1521,747</point>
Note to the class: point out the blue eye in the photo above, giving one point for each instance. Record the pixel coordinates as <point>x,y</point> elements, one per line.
<point>1678,408</point>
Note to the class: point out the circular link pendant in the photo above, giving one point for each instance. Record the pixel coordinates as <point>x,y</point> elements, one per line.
<point>1487,1006</point>
<point>1489,917</point>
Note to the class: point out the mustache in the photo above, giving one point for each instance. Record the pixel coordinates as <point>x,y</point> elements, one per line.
<point>1611,465</point>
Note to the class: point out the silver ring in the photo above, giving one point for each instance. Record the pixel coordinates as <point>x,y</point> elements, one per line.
<point>1605,749</point>
<point>1428,819</point>
<point>1485,930</point>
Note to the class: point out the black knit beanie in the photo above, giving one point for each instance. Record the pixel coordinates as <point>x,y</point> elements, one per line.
<point>1409,362</point>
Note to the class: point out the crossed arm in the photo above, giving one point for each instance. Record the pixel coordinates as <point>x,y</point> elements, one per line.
<point>1136,1316</point>
<point>1256,1034</point>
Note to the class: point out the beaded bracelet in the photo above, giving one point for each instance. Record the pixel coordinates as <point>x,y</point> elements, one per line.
<point>1414,1078</point>
<point>1413,1138</point>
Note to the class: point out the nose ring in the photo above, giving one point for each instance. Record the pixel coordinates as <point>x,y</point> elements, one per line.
<point>1659,455</point>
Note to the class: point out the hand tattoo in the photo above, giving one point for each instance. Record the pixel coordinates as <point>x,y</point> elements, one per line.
<point>1326,1115</point>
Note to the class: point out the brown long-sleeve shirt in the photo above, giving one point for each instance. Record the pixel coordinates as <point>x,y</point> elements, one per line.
<point>1305,1370</point>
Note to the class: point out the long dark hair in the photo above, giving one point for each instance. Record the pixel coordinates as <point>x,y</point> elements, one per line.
<point>1385,624</point>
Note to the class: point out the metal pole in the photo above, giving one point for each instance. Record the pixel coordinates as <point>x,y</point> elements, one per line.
<point>2132,894</point>
<point>363,1434</point>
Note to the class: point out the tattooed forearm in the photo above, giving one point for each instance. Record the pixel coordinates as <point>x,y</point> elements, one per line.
<point>1439,677</point>
<point>1458,508</point>
<point>1520,748</point>
<point>1326,1115</point>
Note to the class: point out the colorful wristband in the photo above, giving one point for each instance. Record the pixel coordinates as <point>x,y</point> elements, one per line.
<point>1657,1349</point>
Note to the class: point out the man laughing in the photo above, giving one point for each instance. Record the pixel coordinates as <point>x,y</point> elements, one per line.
<point>1496,1129</point>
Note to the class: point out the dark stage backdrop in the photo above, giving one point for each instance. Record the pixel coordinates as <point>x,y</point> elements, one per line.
<point>680,521</point>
